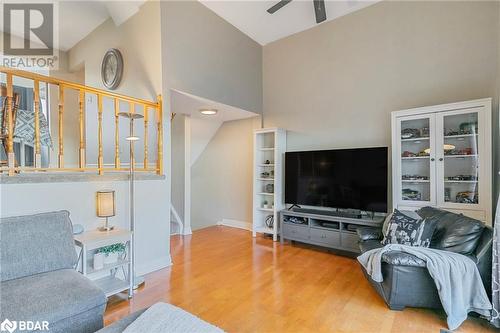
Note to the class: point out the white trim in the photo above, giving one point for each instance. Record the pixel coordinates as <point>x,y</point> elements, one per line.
<point>153,265</point>
<point>477,103</point>
<point>177,219</point>
<point>236,224</point>
<point>187,176</point>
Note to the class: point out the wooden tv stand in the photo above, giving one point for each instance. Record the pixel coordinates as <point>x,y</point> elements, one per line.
<point>339,235</point>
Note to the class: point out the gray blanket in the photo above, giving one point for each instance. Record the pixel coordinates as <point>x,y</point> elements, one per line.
<point>164,318</point>
<point>457,279</point>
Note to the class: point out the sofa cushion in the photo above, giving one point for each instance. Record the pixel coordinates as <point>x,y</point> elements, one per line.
<point>454,232</point>
<point>50,296</point>
<point>369,245</point>
<point>369,233</point>
<point>408,228</point>
<point>35,244</point>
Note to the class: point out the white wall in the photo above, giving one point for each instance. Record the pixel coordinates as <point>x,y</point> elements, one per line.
<point>222,176</point>
<point>152,237</point>
<point>202,132</point>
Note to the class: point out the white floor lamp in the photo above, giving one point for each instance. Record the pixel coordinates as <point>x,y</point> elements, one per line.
<point>137,280</point>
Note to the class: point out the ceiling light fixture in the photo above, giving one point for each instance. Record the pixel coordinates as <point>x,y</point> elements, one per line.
<point>209,112</point>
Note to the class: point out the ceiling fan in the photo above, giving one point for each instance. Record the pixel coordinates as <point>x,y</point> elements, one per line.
<point>319,9</point>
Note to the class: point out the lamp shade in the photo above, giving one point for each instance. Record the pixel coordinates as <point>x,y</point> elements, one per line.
<point>105,203</point>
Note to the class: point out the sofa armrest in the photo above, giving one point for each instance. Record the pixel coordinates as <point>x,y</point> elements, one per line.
<point>483,254</point>
<point>484,245</point>
<point>369,233</point>
<point>402,259</point>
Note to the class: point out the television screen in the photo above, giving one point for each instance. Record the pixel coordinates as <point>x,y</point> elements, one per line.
<point>344,178</point>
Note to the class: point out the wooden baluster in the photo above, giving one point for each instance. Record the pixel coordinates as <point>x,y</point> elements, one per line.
<point>11,157</point>
<point>132,160</point>
<point>159,120</point>
<point>117,134</point>
<point>38,153</point>
<point>61,126</point>
<point>100,158</point>
<point>81,105</point>
<point>146,137</point>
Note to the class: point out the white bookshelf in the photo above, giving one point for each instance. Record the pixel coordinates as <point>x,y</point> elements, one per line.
<point>269,154</point>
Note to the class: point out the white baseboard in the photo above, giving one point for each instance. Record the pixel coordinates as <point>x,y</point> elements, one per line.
<point>153,265</point>
<point>187,230</point>
<point>236,224</point>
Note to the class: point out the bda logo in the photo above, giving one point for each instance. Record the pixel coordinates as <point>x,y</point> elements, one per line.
<point>8,325</point>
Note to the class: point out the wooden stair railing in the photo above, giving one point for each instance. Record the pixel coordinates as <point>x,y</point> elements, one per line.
<point>118,99</point>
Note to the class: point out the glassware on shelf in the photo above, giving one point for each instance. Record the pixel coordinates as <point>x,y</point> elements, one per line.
<point>415,161</point>
<point>461,163</point>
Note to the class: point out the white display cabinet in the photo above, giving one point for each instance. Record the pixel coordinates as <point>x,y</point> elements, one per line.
<point>268,175</point>
<point>442,157</point>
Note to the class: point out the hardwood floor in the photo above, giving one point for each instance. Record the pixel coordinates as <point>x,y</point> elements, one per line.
<point>242,284</point>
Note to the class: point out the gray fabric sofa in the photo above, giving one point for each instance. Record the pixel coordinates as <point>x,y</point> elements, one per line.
<point>407,282</point>
<point>38,279</point>
<point>120,325</point>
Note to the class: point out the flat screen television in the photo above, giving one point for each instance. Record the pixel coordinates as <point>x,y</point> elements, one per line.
<point>342,178</point>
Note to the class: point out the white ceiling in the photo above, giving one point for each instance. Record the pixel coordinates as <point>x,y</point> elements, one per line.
<point>190,104</point>
<point>78,18</point>
<point>203,128</point>
<point>251,17</point>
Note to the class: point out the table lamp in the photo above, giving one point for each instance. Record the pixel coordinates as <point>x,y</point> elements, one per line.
<point>106,207</point>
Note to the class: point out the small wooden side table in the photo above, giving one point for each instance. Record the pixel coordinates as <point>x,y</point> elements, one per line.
<point>94,239</point>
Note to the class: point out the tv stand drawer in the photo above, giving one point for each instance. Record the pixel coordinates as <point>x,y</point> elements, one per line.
<point>350,241</point>
<point>296,231</point>
<point>326,237</point>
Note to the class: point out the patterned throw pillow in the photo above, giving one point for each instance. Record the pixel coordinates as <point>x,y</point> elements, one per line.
<point>408,228</point>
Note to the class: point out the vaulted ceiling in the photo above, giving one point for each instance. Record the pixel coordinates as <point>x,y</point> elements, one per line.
<point>252,18</point>
<point>78,18</point>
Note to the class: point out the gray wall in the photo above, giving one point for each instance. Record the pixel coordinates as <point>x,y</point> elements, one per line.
<point>178,159</point>
<point>206,56</point>
<point>221,178</point>
<point>336,84</point>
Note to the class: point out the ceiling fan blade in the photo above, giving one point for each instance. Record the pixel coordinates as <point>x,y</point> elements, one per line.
<point>319,10</point>
<point>278,6</point>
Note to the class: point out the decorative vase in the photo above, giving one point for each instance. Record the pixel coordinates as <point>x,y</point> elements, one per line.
<point>266,206</point>
<point>111,258</point>
<point>98,261</point>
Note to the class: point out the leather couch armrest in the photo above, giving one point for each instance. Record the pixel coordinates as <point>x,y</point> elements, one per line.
<point>369,233</point>
<point>402,259</point>
<point>484,245</point>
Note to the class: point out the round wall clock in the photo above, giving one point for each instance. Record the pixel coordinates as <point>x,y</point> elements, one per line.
<point>112,69</point>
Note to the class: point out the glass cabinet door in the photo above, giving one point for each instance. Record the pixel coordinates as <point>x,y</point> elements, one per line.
<point>459,157</point>
<point>416,159</point>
